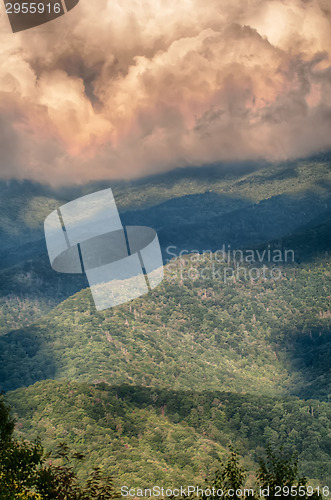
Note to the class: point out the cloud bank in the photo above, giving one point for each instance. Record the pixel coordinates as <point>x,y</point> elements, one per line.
<point>119,89</point>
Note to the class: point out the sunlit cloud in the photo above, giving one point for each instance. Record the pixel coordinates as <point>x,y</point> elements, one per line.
<point>119,90</point>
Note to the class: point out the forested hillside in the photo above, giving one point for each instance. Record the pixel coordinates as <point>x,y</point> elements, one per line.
<point>272,336</point>
<point>156,388</point>
<point>144,435</point>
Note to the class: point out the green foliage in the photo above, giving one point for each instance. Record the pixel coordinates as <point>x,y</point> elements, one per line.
<point>6,422</point>
<point>100,487</point>
<point>191,208</point>
<point>278,475</point>
<point>277,478</point>
<point>144,434</point>
<point>247,346</point>
<point>229,478</point>
<point>27,472</point>
<point>270,336</point>
<point>18,460</point>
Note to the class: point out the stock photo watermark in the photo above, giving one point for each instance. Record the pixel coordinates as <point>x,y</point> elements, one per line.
<point>24,15</point>
<point>226,264</point>
<point>121,263</point>
<point>198,492</point>
<point>86,235</point>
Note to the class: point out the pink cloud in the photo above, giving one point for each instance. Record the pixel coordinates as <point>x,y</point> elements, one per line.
<point>117,90</point>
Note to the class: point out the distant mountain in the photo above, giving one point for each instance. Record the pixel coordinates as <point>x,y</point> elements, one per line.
<point>194,209</point>
<point>30,289</point>
<point>189,206</point>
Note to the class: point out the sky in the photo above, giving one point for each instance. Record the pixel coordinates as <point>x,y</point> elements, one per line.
<point>121,89</point>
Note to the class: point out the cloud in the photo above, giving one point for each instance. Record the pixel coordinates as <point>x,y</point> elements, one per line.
<point>119,90</point>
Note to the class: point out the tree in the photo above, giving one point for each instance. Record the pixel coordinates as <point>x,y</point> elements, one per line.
<point>18,460</point>
<point>6,422</point>
<point>278,476</point>
<point>27,473</point>
<point>230,477</point>
<point>277,479</point>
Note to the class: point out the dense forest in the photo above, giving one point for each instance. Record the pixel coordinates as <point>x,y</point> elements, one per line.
<point>270,335</point>
<point>149,435</point>
<point>26,471</point>
<point>158,389</point>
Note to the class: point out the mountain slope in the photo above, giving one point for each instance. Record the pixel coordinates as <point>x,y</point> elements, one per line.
<point>147,436</point>
<point>247,344</point>
<point>192,209</point>
<point>185,196</point>
<point>188,333</point>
